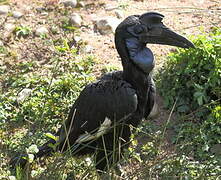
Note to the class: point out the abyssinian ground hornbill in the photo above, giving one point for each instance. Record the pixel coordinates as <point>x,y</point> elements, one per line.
<point>100,119</point>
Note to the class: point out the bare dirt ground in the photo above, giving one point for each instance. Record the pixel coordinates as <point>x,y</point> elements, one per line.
<point>184,16</point>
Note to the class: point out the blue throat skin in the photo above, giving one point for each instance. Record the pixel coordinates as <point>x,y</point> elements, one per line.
<point>140,55</point>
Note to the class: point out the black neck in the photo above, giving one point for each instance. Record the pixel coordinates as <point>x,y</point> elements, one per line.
<point>132,74</point>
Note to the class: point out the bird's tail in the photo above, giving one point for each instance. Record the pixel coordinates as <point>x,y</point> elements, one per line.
<point>44,150</point>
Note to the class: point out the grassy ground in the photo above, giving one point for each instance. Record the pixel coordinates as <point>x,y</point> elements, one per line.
<point>55,68</point>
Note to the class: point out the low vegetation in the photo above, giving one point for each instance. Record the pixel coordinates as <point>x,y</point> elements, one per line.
<point>25,119</point>
<point>191,79</point>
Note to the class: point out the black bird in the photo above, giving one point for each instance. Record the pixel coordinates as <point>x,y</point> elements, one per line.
<point>100,119</point>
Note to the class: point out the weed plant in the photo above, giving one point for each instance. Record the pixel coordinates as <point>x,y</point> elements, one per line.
<point>192,79</point>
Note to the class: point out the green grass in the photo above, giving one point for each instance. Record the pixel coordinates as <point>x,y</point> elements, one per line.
<point>194,84</point>
<point>54,89</point>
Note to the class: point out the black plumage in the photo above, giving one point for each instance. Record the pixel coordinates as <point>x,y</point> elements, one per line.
<point>100,118</point>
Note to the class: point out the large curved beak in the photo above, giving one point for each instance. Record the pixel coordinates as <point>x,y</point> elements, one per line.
<point>163,35</point>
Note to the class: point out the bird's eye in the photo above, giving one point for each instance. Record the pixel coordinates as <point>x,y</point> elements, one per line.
<point>139,29</point>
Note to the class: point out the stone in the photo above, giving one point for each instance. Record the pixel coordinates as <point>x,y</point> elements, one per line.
<point>119,14</point>
<point>24,94</point>
<point>110,7</point>
<point>77,39</point>
<point>86,49</point>
<point>27,8</point>
<point>71,3</point>
<point>17,14</point>
<point>30,134</point>
<point>41,9</point>
<point>41,31</point>
<point>12,178</point>
<point>9,27</point>
<point>75,20</point>
<point>4,9</point>
<point>44,14</point>
<point>1,43</point>
<point>80,4</point>
<point>107,25</point>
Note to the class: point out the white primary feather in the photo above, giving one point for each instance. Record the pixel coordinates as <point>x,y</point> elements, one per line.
<point>101,131</point>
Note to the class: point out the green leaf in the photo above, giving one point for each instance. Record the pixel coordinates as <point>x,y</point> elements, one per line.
<point>200,100</point>
<point>31,158</point>
<point>205,147</point>
<point>32,149</point>
<point>183,108</point>
<point>199,96</point>
<point>51,136</point>
<point>53,146</point>
<point>137,157</point>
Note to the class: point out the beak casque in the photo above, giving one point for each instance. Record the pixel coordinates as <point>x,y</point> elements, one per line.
<point>158,33</point>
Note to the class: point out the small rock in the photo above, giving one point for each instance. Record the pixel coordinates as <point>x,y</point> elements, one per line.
<point>119,14</point>
<point>25,93</point>
<point>17,14</point>
<point>4,9</point>
<point>107,25</point>
<point>80,4</point>
<point>71,3</point>
<point>86,49</point>
<point>44,14</point>
<point>41,9</point>
<point>41,31</point>
<point>110,8</point>
<point>30,134</point>
<point>27,8</point>
<point>77,39</point>
<point>1,43</point>
<point>12,178</point>
<point>9,27</point>
<point>75,20</point>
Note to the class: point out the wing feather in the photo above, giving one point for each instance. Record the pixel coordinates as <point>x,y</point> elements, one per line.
<point>100,100</point>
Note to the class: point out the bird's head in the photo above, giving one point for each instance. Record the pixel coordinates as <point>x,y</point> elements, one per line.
<point>149,28</point>
<point>138,30</point>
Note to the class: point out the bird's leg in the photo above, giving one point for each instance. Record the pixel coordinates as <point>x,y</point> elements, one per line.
<point>110,163</point>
